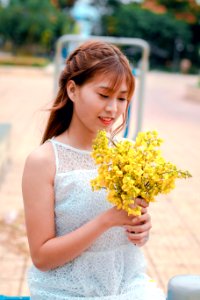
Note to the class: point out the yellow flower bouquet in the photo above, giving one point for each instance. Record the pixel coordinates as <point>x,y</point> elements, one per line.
<point>128,170</point>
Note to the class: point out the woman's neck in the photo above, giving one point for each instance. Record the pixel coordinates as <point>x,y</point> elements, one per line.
<point>78,137</point>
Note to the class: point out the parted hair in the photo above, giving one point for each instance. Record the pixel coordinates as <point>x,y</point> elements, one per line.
<point>89,59</point>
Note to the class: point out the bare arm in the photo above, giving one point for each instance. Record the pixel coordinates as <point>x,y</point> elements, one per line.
<point>47,250</point>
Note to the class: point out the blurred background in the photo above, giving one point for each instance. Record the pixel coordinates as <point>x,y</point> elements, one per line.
<point>29,30</point>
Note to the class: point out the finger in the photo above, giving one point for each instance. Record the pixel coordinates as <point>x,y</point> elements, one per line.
<point>142,242</point>
<point>141,219</point>
<point>138,238</point>
<point>139,228</point>
<point>141,202</point>
<point>144,210</point>
<point>137,204</point>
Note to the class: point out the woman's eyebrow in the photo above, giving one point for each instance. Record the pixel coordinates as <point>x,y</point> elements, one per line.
<point>105,87</point>
<point>123,92</point>
<point>110,89</point>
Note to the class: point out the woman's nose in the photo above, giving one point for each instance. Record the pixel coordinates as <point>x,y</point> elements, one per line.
<point>112,105</point>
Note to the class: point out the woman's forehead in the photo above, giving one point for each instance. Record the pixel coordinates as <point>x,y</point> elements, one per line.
<point>108,82</point>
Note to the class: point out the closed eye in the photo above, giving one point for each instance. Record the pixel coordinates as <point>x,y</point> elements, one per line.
<point>103,96</point>
<point>107,96</point>
<point>122,99</point>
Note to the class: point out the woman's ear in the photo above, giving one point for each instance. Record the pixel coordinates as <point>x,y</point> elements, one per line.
<point>71,90</point>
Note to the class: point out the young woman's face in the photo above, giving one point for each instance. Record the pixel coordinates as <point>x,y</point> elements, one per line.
<point>95,107</point>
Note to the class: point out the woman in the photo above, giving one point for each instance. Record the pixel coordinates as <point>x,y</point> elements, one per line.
<point>81,246</point>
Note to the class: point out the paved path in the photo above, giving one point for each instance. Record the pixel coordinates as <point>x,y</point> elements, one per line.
<point>174,245</point>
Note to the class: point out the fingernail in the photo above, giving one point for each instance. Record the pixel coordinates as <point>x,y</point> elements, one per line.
<point>134,220</point>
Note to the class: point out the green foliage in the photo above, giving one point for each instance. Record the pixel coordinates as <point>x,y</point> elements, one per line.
<point>65,3</point>
<point>24,61</point>
<point>162,31</point>
<point>32,22</point>
<point>177,6</point>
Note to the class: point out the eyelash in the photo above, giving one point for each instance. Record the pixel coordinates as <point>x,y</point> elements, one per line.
<point>121,99</point>
<point>105,97</point>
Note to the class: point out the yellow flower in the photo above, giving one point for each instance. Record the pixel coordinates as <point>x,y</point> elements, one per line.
<point>128,170</point>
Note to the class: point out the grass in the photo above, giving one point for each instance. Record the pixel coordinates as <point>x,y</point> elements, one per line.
<point>29,61</point>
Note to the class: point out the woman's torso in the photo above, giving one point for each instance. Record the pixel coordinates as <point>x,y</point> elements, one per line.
<point>112,266</point>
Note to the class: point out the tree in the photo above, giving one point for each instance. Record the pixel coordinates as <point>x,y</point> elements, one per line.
<point>64,4</point>
<point>187,10</point>
<point>33,24</point>
<point>162,31</point>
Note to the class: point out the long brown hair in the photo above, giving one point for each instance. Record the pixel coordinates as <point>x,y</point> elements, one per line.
<point>92,57</point>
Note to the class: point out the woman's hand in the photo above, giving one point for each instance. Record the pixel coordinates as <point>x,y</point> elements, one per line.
<point>138,233</point>
<point>137,227</point>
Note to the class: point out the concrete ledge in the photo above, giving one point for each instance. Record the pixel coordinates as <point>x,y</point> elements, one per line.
<point>5,129</point>
<point>184,287</point>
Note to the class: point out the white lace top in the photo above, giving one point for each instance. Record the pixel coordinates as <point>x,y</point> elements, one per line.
<point>112,268</point>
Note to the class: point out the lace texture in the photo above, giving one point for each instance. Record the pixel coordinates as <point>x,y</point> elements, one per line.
<point>112,268</point>
<point>69,158</point>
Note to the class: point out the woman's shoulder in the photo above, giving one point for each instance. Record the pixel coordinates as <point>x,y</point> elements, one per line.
<point>41,158</point>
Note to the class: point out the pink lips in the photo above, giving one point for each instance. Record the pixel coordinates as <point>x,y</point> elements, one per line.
<point>106,121</point>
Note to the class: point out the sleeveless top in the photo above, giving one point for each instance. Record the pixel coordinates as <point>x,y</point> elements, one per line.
<point>112,268</point>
